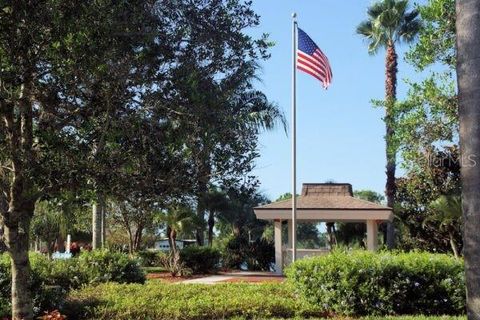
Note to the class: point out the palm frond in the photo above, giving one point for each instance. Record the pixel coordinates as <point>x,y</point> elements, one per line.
<point>365,28</point>
<point>409,31</point>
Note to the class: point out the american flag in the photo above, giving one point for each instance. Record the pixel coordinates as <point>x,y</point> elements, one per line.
<point>312,60</point>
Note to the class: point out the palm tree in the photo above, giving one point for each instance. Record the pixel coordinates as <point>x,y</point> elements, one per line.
<point>468,66</point>
<point>388,24</point>
<point>177,218</point>
<point>448,212</point>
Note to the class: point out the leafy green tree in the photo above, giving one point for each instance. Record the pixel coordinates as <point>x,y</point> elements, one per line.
<point>388,24</point>
<point>427,131</point>
<point>52,63</point>
<point>214,102</point>
<point>468,64</point>
<point>416,192</point>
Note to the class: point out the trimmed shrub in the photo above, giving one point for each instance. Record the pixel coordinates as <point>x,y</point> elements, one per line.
<point>102,266</point>
<point>156,300</point>
<point>150,258</point>
<point>200,259</point>
<point>363,282</point>
<point>51,280</point>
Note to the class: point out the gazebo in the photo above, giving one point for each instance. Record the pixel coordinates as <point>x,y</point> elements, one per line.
<point>322,202</point>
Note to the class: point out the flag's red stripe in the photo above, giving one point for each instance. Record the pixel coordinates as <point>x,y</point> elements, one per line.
<point>324,60</point>
<point>299,67</point>
<point>318,53</point>
<point>309,66</point>
<point>316,63</point>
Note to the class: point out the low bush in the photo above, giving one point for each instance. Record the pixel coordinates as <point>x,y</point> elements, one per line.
<point>51,280</point>
<point>200,259</point>
<point>156,300</point>
<point>367,283</point>
<point>102,266</point>
<point>150,258</point>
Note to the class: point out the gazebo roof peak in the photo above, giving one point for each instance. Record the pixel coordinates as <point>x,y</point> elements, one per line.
<point>327,189</point>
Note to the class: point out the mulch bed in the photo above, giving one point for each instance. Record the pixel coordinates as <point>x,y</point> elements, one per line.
<point>167,277</point>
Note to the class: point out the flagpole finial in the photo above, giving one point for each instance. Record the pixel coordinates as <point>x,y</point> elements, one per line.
<point>294,16</point>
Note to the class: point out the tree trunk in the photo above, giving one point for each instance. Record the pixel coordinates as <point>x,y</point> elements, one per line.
<point>468,79</point>
<point>138,238</point>
<point>173,241</point>
<point>236,229</point>
<point>199,232</point>
<point>17,240</point>
<point>60,243</point>
<point>211,225</point>
<point>391,148</point>
<point>103,231</point>
<point>130,241</point>
<point>332,239</point>
<point>96,226</point>
<point>453,245</point>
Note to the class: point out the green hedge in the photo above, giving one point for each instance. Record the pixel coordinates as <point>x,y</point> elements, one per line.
<point>50,280</point>
<point>156,300</point>
<point>367,283</point>
<point>200,259</point>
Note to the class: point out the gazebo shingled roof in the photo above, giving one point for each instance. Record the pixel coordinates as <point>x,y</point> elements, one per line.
<point>325,196</point>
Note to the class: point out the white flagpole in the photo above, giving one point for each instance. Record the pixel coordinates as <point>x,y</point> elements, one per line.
<point>294,141</point>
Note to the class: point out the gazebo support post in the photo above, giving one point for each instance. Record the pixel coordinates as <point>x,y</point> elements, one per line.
<point>290,233</point>
<point>278,246</point>
<point>372,235</point>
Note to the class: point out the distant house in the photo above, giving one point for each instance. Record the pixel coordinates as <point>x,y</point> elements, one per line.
<point>164,245</point>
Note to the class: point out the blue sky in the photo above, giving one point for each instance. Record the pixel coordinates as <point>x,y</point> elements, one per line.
<point>340,136</point>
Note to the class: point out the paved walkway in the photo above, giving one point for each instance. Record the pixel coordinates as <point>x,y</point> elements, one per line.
<point>237,276</point>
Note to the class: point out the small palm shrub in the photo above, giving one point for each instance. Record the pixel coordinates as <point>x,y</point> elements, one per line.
<point>368,283</point>
<point>175,266</point>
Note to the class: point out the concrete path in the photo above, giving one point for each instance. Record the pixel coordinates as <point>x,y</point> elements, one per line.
<point>236,276</point>
<point>207,280</point>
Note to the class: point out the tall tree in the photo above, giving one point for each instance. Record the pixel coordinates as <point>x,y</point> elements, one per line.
<point>427,134</point>
<point>51,57</point>
<point>389,22</point>
<point>468,66</point>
